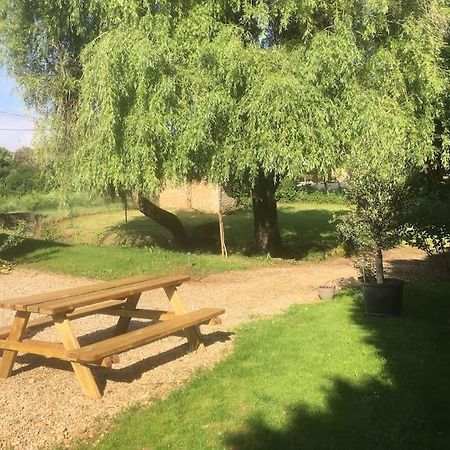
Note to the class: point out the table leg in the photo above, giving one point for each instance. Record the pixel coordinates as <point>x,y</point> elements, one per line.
<point>17,330</point>
<point>124,322</point>
<point>82,372</point>
<point>193,334</point>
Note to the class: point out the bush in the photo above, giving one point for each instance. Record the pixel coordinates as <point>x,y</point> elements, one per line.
<point>289,191</point>
<point>23,179</point>
<point>33,202</point>
<point>39,201</point>
<point>14,238</point>
<point>428,225</point>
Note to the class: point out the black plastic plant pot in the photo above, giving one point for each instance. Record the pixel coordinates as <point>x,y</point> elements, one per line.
<point>383,299</point>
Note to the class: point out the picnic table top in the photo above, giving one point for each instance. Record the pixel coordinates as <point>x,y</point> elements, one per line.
<point>67,300</point>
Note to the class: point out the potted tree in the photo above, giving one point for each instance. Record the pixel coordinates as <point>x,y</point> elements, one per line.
<point>385,147</point>
<point>380,203</point>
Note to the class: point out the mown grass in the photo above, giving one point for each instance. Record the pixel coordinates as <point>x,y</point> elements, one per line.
<point>78,245</point>
<point>111,262</point>
<point>305,228</point>
<point>321,376</point>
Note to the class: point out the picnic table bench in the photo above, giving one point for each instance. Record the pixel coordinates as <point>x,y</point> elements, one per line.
<point>117,298</point>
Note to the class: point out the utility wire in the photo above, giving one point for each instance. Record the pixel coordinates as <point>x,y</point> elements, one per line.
<point>7,113</point>
<point>16,129</point>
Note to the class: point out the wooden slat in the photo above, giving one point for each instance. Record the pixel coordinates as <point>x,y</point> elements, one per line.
<point>151,314</point>
<point>21,302</point>
<point>70,304</point>
<point>79,313</point>
<point>48,349</point>
<point>43,348</point>
<point>118,344</point>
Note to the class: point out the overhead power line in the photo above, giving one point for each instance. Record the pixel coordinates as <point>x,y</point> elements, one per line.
<point>13,114</point>
<point>16,129</point>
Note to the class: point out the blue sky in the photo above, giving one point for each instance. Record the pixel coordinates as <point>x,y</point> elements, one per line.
<point>12,112</point>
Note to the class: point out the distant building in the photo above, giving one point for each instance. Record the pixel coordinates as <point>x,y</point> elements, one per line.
<point>199,196</point>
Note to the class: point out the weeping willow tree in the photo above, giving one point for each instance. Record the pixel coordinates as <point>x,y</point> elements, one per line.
<point>163,109</point>
<point>245,93</point>
<point>240,92</point>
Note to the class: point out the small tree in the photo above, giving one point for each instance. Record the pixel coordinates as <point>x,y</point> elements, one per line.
<point>387,149</point>
<point>375,222</point>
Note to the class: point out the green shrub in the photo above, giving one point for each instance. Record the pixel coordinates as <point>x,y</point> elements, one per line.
<point>309,195</point>
<point>23,179</point>
<point>289,191</point>
<point>14,238</point>
<point>380,204</point>
<point>43,201</point>
<point>428,225</point>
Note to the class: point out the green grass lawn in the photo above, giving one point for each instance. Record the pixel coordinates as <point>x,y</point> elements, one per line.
<point>111,262</point>
<point>79,245</point>
<point>305,229</point>
<point>321,376</point>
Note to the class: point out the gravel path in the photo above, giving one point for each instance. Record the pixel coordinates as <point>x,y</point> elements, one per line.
<point>42,404</point>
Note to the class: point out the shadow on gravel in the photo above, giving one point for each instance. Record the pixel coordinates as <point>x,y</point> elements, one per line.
<point>125,374</point>
<point>431,268</point>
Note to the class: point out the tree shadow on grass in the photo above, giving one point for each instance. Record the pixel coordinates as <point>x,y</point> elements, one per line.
<point>304,232</point>
<point>406,407</point>
<point>31,250</point>
<point>308,232</point>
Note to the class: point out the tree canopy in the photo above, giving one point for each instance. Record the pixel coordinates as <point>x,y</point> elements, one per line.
<point>241,92</point>
<point>237,91</point>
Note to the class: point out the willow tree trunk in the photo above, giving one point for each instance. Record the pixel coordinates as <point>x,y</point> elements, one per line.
<point>265,215</point>
<point>164,218</point>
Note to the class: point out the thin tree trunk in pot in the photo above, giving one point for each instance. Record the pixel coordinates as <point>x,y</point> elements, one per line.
<point>379,266</point>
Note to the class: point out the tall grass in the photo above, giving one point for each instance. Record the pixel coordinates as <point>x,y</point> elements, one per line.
<point>39,202</point>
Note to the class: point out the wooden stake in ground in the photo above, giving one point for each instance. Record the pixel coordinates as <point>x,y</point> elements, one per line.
<point>125,205</point>
<point>223,247</point>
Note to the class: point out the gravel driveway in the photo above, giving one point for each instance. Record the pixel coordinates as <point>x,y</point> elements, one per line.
<point>42,404</point>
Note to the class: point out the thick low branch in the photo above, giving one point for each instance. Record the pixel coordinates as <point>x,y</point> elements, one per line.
<point>164,218</point>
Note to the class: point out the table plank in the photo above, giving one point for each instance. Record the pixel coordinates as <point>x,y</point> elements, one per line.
<point>71,303</point>
<point>36,347</point>
<point>20,303</point>
<point>45,321</point>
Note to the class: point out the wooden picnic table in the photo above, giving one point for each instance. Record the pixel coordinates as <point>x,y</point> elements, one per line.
<point>117,298</point>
